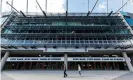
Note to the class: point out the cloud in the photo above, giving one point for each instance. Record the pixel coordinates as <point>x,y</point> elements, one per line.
<point>131,1</point>
<point>53,6</point>
<point>56,6</point>
<point>101,7</point>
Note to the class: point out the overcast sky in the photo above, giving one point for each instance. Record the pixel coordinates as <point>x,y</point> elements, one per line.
<point>73,5</point>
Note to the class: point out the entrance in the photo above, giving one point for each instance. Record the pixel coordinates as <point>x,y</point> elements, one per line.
<point>34,65</point>
<point>71,65</point>
<point>98,65</point>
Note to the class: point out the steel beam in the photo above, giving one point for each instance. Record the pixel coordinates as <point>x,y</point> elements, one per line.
<point>89,12</point>
<point>16,9</point>
<point>66,13</point>
<point>122,6</point>
<point>46,6</point>
<point>66,17</point>
<point>12,7</point>
<point>107,6</point>
<point>22,13</point>
<point>27,7</point>
<point>94,6</point>
<point>1,6</point>
<point>41,9</point>
<point>110,13</point>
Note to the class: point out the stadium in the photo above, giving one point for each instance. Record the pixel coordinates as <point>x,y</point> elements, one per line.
<point>46,41</point>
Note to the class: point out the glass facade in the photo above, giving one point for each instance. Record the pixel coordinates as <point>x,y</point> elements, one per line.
<point>61,30</point>
<point>128,17</point>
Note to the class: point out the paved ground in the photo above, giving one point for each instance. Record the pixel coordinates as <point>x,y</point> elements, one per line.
<point>128,76</point>
<point>72,75</point>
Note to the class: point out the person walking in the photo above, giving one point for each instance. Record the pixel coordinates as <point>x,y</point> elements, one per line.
<point>79,69</point>
<point>65,74</point>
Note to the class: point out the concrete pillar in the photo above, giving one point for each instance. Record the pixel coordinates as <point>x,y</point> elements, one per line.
<point>130,67</point>
<point>3,61</point>
<point>131,57</point>
<point>66,60</point>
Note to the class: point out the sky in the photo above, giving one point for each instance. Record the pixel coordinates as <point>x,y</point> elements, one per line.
<point>59,6</point>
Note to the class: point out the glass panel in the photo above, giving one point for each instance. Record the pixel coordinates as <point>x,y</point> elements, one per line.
<point>81,41</point>
<point>91,41</point>
<point>68,41</point>
<point>109,41</point>
<point>63,41</point>
<point>72,41</point>
<point>86,41</point>
<point>100,41</point>
<point>77,41</point>
<point>59,41</point>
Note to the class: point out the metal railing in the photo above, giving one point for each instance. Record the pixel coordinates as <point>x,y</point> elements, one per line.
<point>31,14</point>
<point>68,42</point>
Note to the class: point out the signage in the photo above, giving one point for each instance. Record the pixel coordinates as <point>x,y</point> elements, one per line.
<point>14,59</point>
<point>97,59</point>
<point>70,59</point>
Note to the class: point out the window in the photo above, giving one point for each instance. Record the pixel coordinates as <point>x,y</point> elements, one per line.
<point>91,41</point>
<point>81,41</point>
<point>63,41</point>
<point>86,41</point>
<point>109,41</point>
<point>68,41</point>
<point>96,41</point>
<point>100,41</point>
<point>72,41</point>
<point>105,41</point>
<point>59,41</point>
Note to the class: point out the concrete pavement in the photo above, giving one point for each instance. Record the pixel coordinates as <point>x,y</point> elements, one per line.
<point>58,75</point>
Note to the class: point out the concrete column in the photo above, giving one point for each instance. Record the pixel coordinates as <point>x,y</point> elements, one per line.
<point>66,60</point>
<point>3,61</point>
<point>131,57</point>
<point>130,67</point>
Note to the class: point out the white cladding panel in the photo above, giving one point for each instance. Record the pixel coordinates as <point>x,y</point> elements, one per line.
<point>64,50</point>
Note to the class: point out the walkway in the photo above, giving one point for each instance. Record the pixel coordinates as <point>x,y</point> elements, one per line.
<point>58,75</point>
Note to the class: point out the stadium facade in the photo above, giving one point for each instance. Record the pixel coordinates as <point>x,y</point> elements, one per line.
<point>96,41</point>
